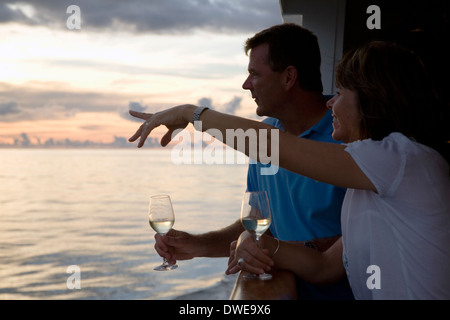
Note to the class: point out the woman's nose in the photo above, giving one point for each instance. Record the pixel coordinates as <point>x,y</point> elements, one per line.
<point>331,102</point>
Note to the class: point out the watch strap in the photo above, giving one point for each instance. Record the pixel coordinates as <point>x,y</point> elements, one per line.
<point>197,114</point>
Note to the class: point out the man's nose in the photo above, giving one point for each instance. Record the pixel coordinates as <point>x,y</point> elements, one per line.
<point>247,84</point>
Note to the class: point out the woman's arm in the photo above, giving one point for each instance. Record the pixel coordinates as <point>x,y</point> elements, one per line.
<point>326,162</point>
<point>308,264</point>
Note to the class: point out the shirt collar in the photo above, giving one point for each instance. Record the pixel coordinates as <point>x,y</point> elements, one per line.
<point>323,126</point>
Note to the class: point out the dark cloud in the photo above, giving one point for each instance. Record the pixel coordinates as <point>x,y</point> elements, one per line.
<point>153,16</point>
<point>135,106</point>
<point>25,141</point>
<point>10,107</point>
<point>233,105</point>
<point>22,141</point>
<point>7,14</point>
<point>229,107</point>
<point>205,102</point>
<point>37,101</point>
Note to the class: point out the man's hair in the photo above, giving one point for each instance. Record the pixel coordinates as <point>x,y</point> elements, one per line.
<point>292,45</point>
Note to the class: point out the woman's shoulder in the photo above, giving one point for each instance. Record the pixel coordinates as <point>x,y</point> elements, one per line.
<point>394,142</point>
<point>396,147</point>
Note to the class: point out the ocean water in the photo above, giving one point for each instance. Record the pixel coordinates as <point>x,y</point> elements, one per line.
<point>88,208</point>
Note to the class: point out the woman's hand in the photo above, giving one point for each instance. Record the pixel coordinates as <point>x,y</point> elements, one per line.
<point>246,255</point>
<point>174,119</point>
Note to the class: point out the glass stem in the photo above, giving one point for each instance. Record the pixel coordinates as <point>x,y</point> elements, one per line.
<point>257,239</point>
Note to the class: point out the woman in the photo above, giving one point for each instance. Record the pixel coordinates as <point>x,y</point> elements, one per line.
<point>396,213</point>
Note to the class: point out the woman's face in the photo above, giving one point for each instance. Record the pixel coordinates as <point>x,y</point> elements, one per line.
<point>346,116</point>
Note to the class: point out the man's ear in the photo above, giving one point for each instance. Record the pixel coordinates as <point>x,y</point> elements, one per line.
<point>290,77</point>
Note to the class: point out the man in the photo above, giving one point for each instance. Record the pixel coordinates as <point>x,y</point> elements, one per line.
<point>285,82</point>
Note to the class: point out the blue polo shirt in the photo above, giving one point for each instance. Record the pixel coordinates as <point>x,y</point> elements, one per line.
<point>302,208</point>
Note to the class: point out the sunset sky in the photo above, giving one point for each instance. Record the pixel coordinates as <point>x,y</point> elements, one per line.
<point>57,83</point>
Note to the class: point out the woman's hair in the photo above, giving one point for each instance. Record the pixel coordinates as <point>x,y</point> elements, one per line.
<point>292,45</point>
<point>395,94</point>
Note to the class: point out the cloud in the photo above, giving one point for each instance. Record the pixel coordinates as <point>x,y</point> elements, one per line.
<point>135,106</point>
<point>195,71</point>
<point>24,140</point>
<point>7,108</point>
<point>138,106</point>
<point>233,105</point>
<point>228,107</point>
<point>53,100</point>
<point>7,14</point>
<point>205,102</point>
<point>152,16</point>
<point>48,100</point>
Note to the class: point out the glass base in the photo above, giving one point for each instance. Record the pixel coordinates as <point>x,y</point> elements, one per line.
<point>250,276</point>
<point>263,276</point>
<point>165,267</point>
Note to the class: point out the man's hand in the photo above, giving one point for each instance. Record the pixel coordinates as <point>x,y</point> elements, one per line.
<point>177,245</point>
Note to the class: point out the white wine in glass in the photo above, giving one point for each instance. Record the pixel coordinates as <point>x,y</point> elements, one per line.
<point>161,219</point>
<point>256,218</point>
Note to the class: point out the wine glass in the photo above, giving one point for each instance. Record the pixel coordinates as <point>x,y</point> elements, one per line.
<point>256,218</point>
<point>161,219</point>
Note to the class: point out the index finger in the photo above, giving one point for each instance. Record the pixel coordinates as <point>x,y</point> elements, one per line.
<point>140,115</point>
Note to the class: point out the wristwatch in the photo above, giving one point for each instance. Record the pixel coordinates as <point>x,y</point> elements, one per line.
<point>197,114</point>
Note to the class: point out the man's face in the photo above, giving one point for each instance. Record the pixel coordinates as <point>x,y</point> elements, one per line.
<point>264,84</point>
